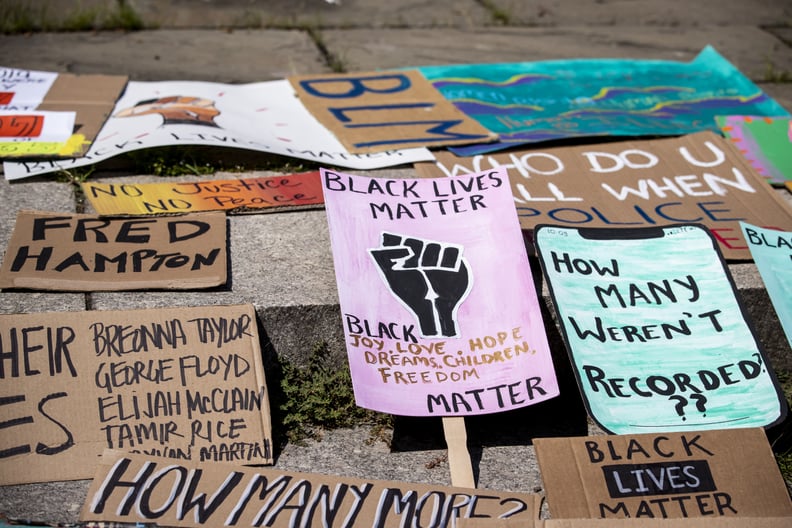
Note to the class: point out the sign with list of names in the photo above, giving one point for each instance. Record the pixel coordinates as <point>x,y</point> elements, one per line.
<point>439,309</point>
<point>182,383</point>
<point>657,336</point>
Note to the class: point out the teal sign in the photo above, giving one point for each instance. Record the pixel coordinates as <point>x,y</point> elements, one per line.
<point>537,101</point>
<point>772,253</point>
<point>655,332</point>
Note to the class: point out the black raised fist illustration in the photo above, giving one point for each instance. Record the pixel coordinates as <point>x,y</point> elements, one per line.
<point>431,279</point>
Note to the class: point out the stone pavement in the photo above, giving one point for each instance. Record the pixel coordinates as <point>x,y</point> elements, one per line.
<point>282,263</point>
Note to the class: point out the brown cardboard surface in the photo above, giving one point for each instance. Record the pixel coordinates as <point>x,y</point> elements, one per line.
<point>721,473</point>
<point>698,522</point>
<point>215,494</point>
<point>380,111</point>
<point>499,523</point>
<point>186,383</point>
<point>707,522</point>
<point>697,178</point>
<point>64,252</point>
<point>92,97</point>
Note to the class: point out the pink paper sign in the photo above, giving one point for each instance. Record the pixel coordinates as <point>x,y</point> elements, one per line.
<point>438,304</point>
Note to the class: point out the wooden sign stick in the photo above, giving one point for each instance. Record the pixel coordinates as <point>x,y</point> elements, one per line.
<point>458,454</point>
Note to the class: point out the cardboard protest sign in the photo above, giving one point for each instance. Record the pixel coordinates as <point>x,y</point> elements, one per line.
<point>766,142</point>
<point>264,117</point>
<point>712,474</point>
<point>91,97</point>
<point>527,102</point>
<point>687,522</point>
<point>375,111</point>
<point>643,522</point>
<point>183,383</point>
<point>696,178</point>
<point>53,251</point>
<point>499,523</point>
<point>772,253</point>
<point>450,323</point>
<point>144,489</point>
<point>656,333</point>
<point>270,193</point>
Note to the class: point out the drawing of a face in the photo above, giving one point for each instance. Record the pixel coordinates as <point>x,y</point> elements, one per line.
<point>176,110</point>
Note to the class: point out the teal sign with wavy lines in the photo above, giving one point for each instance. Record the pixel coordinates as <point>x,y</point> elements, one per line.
<point>539,101</point>
<point>655,332</point>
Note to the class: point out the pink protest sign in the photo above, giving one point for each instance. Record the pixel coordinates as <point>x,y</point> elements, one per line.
<point>439,309</point>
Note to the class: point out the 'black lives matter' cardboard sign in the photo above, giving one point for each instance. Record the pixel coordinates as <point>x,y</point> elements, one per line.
<point>719,473</point>
<point>184,383</point>
<point>144,489</point>
<point>68,252</point>
<point>706,522</point>
<point>648,522</point>
<point>380,111</point>
<point>697,178</point>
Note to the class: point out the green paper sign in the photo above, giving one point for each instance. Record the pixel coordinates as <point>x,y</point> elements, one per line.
<point>765,142</point>
<point>655,332</point>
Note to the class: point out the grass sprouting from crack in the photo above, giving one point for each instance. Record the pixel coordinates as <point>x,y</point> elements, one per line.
<point>319,396</point>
